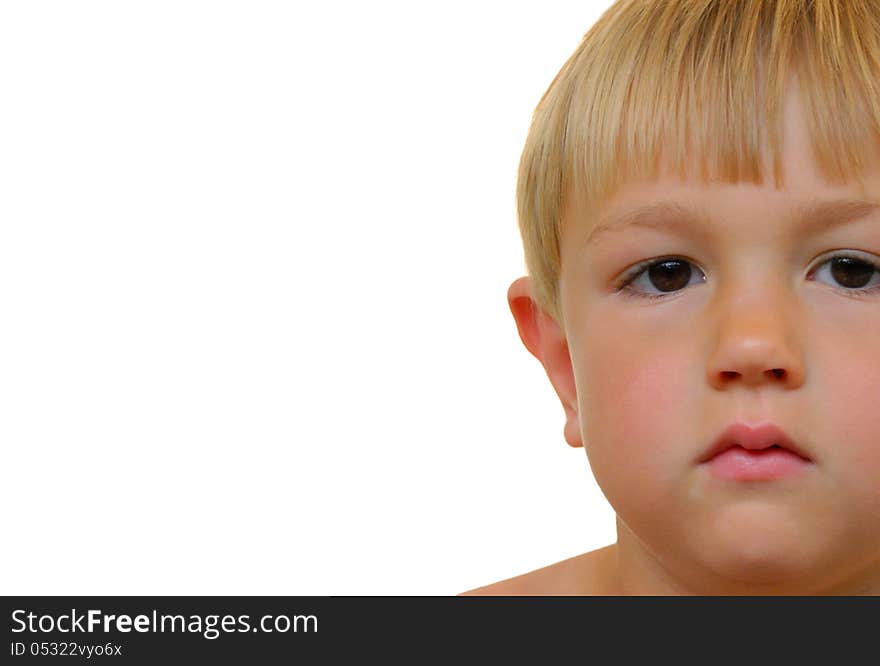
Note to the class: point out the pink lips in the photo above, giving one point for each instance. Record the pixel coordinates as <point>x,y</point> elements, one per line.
<point>749,453</point>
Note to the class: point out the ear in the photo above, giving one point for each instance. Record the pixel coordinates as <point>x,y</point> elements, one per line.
<point>544,339</point>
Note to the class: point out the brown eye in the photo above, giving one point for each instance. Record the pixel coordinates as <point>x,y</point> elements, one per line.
<point>670,275</point>
<point>851,273</point>
<point>667,276</point>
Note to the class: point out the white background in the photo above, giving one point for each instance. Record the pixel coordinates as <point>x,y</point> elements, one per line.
<point>254,335</point>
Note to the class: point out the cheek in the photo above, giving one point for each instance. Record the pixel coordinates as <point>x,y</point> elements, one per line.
<point>636,412</point>
<point>852,439</point>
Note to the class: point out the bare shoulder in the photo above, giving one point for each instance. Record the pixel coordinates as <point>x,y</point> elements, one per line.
<point>586,574</point>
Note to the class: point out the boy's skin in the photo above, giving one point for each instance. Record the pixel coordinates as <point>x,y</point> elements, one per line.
<point>647,385</point>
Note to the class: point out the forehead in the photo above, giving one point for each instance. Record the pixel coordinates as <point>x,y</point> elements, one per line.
<point>809,215</point>
<point>804,206</point>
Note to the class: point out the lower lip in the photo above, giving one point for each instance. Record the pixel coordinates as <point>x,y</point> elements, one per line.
<point>739,464</point>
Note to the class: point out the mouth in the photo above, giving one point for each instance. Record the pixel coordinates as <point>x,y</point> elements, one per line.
<point>753,442</point>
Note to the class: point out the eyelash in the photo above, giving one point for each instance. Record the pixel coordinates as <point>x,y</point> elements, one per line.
<point>624,289</point>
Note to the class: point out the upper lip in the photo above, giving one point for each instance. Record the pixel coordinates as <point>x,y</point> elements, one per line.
<point>752,437</point>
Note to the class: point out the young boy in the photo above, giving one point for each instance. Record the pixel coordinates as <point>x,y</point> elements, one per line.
<point>699,201</point>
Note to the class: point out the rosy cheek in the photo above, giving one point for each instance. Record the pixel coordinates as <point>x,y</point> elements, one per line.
<point>639,412</point>
<point>853,441</point>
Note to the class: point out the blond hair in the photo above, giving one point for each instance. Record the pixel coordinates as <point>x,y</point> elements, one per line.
<point>653,80</point>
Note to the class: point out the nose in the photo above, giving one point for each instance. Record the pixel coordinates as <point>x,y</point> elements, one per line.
<point>756,345</point>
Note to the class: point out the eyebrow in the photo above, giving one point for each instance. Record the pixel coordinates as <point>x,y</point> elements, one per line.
<point>814,215</point>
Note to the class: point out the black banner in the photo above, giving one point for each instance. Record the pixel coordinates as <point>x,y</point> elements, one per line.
<point>117,630</point>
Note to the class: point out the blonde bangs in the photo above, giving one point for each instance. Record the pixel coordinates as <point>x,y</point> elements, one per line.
<point>655,82</point>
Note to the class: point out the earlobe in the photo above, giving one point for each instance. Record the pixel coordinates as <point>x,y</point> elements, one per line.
<point>541,335</point>
<point>572,430</point>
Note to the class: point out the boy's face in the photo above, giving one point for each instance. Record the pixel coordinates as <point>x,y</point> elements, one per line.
<point>649,384</point>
